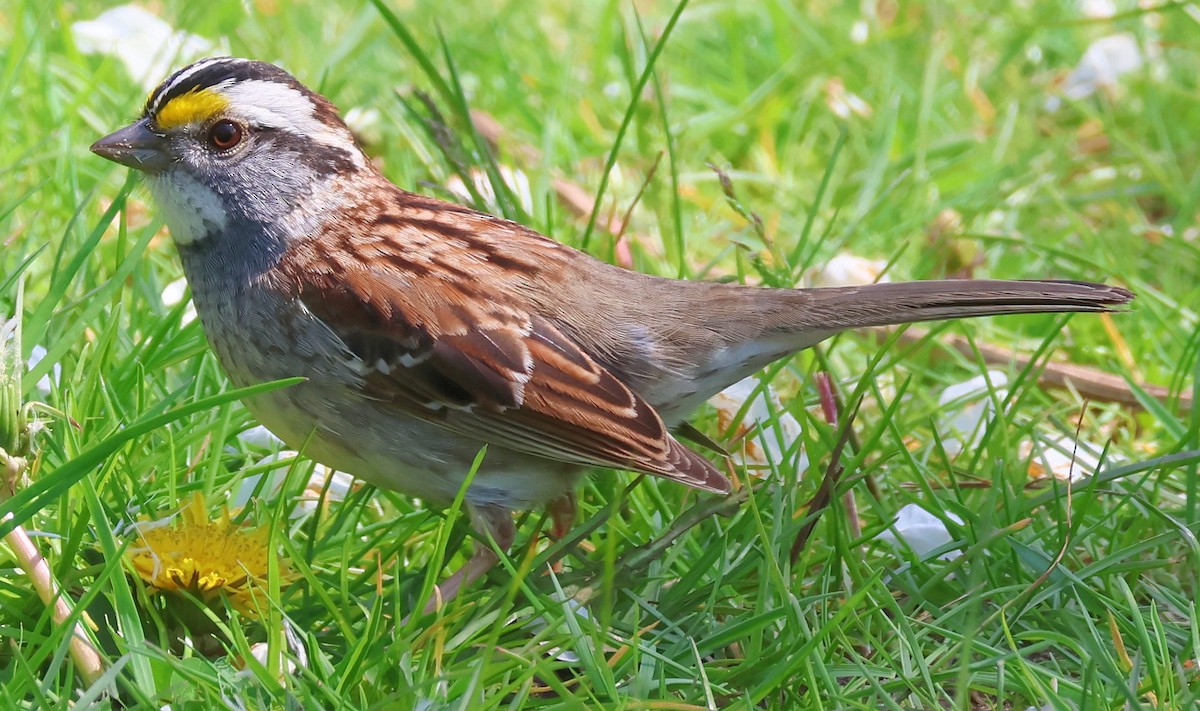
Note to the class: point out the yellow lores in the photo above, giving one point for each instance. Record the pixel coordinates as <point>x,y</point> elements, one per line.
<point>205,557</point>
<point>192,107</point>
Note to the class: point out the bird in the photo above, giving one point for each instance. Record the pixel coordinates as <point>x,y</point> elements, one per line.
<point>427,331</point>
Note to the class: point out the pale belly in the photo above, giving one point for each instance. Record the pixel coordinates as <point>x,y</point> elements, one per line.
<point>395,451</point>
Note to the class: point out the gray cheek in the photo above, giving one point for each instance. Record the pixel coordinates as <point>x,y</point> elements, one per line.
<point>264,185</point>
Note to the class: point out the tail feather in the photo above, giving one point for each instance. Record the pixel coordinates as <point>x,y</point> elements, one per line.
<point>758,326</point>
<point>840,308</point>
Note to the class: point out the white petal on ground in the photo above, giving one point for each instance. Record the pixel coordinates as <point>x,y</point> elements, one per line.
<point>848,270</point>
<point>260,437</point>
<point>968,407</point>
<point>921,532</point>
<point>336,485</point>
<point>1061,457</point>
<point>8,331</point>
<point>843,103</point>
<point>1103,62</point>
<point>295,643</point>
<point>860,31</point>
<point>1097,9</point>
<point>260,652</point>
<point>147,46</point>
<point>173,293</point>
<point>539,623</point>
<point>761,448</point>
<point>46,382</point>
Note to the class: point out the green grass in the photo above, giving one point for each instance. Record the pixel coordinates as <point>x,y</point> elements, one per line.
<point>1068,602</point>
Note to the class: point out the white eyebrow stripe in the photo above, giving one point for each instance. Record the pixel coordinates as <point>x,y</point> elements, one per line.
<point>165,90</point>
<point>275,105</point>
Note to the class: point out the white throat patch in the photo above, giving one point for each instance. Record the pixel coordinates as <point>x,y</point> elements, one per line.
<point>191,209</point>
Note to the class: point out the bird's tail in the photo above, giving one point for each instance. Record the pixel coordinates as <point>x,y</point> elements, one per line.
<point>758,326</point>
<point>909,302</point>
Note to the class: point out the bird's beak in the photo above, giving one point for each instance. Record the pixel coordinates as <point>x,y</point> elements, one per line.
<point>137,146</point>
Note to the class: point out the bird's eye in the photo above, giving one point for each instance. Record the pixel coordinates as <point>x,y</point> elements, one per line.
<point>224,135</point>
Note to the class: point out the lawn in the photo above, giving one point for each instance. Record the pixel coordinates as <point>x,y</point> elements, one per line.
<point>768,142</point>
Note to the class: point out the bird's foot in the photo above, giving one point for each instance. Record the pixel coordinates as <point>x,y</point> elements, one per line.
<point>490,521</point>
<point>562,517</point>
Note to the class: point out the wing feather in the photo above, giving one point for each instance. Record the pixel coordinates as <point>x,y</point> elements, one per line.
<point>483,365</point>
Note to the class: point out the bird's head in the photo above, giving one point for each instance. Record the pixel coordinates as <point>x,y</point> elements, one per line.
<point>228,139</point>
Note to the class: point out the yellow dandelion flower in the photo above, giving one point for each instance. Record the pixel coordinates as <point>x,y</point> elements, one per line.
<point>205,557</point>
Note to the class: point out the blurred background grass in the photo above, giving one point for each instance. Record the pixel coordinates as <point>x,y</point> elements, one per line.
<point>920,134</point>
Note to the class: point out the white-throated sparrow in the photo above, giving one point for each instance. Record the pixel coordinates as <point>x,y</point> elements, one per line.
<point>426,329</point>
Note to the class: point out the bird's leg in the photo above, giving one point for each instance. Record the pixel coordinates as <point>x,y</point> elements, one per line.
<point>562,517</point>
<point>491,521</point>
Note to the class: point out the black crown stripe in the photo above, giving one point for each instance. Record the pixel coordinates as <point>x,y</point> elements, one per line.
<point>210,72</point>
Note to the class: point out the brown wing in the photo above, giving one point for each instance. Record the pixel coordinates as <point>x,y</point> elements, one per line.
<point>434,315</point>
